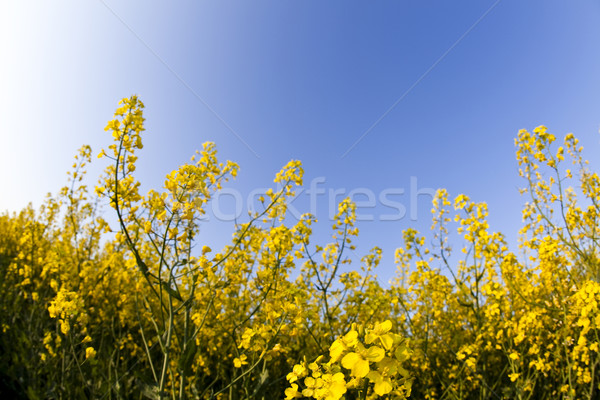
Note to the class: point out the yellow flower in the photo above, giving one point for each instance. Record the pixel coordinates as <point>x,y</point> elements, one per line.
<point>312,385</point>
<point>334,386</point>
<point>90,352</point>
<point>298,372</point>
<point>341,345</point>
<point>380,331</point>
<point>292,392</point>
<point>239,361</point>
<point>383,383</point>
<point>358,362</point>
<point>65,327</point>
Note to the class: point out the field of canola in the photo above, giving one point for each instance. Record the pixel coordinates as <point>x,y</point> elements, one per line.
<point>143,310</point>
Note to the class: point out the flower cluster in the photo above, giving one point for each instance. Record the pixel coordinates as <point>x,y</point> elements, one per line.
<point>365,360</point>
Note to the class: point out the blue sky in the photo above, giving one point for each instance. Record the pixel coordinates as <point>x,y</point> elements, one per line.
<point>270,81</point>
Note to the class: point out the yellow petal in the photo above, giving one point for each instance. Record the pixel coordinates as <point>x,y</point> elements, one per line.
<point>387,341</point>
<point>349,360</point>
<point>383,387</point>
<point>337,390</point>
<point>385,326</point>
<point>375,354</point>
<point>361,368</point>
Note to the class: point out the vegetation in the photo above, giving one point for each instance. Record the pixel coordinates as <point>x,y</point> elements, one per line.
<point>147,312</point>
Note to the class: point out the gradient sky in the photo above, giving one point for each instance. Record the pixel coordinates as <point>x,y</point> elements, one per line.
<point>270,81</point>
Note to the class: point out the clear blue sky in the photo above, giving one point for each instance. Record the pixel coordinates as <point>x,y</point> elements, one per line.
<point>302,80</point>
